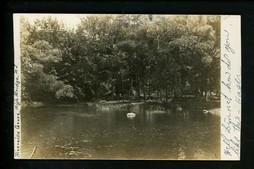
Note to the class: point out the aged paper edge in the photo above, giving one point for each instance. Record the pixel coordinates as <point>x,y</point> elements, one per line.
<point>17,87</point>
<point>230,87</point>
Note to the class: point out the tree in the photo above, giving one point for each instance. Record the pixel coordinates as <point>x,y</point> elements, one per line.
<point>38,57</point>
<point>121,56</point>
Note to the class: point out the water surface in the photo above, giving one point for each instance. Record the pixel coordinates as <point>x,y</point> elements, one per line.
<point>79,131</point>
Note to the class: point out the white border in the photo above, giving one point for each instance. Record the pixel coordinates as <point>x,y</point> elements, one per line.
<point>230,87</point>
<point>17,87</point>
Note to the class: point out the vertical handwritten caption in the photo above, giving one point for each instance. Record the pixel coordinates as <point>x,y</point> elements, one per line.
<point>17,130</point>
<point>230,97</point>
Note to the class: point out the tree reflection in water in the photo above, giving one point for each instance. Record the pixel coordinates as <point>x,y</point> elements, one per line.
<point>79,132</point>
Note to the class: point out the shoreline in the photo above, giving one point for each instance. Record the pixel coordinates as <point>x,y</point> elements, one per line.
<point>134,105</point>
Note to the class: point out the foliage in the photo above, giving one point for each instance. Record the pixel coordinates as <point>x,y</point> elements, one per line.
<point>120,56</point>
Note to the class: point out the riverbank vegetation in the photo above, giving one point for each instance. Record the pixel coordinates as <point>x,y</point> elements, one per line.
<point>121,57</point>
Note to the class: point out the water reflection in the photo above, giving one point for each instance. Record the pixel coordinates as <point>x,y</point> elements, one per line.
<point>78,131</point>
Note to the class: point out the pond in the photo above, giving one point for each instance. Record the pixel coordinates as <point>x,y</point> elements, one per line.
<point>82,132</point>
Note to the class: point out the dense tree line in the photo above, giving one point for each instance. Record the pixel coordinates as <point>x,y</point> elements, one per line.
<point>120,57</point>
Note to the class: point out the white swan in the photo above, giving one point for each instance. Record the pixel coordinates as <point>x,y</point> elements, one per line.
<point>131,115</point>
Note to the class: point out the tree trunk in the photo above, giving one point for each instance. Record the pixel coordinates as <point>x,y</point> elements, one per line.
<point>149,90</point>
<point>130,91</point>
<point>166,95</point>
<point>139,89</point>
<point>207,94</point>
<point>113,92</point>
<point>202,88</point>
<point>144,90</point>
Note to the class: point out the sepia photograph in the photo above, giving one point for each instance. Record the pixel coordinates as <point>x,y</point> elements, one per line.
<point>120,87</point>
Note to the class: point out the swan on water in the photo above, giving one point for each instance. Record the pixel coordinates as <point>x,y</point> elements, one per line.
<point>131,115</point>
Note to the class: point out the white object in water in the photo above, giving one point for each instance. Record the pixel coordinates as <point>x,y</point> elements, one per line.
<point>205,111</point>
<point>131,115</point>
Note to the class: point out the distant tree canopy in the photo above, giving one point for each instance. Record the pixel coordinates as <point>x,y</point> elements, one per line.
<point>120,57</point>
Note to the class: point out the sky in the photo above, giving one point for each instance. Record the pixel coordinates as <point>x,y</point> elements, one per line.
<point>69,20</point>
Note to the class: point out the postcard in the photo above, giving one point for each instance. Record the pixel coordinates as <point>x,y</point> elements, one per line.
<point>127,86</point>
